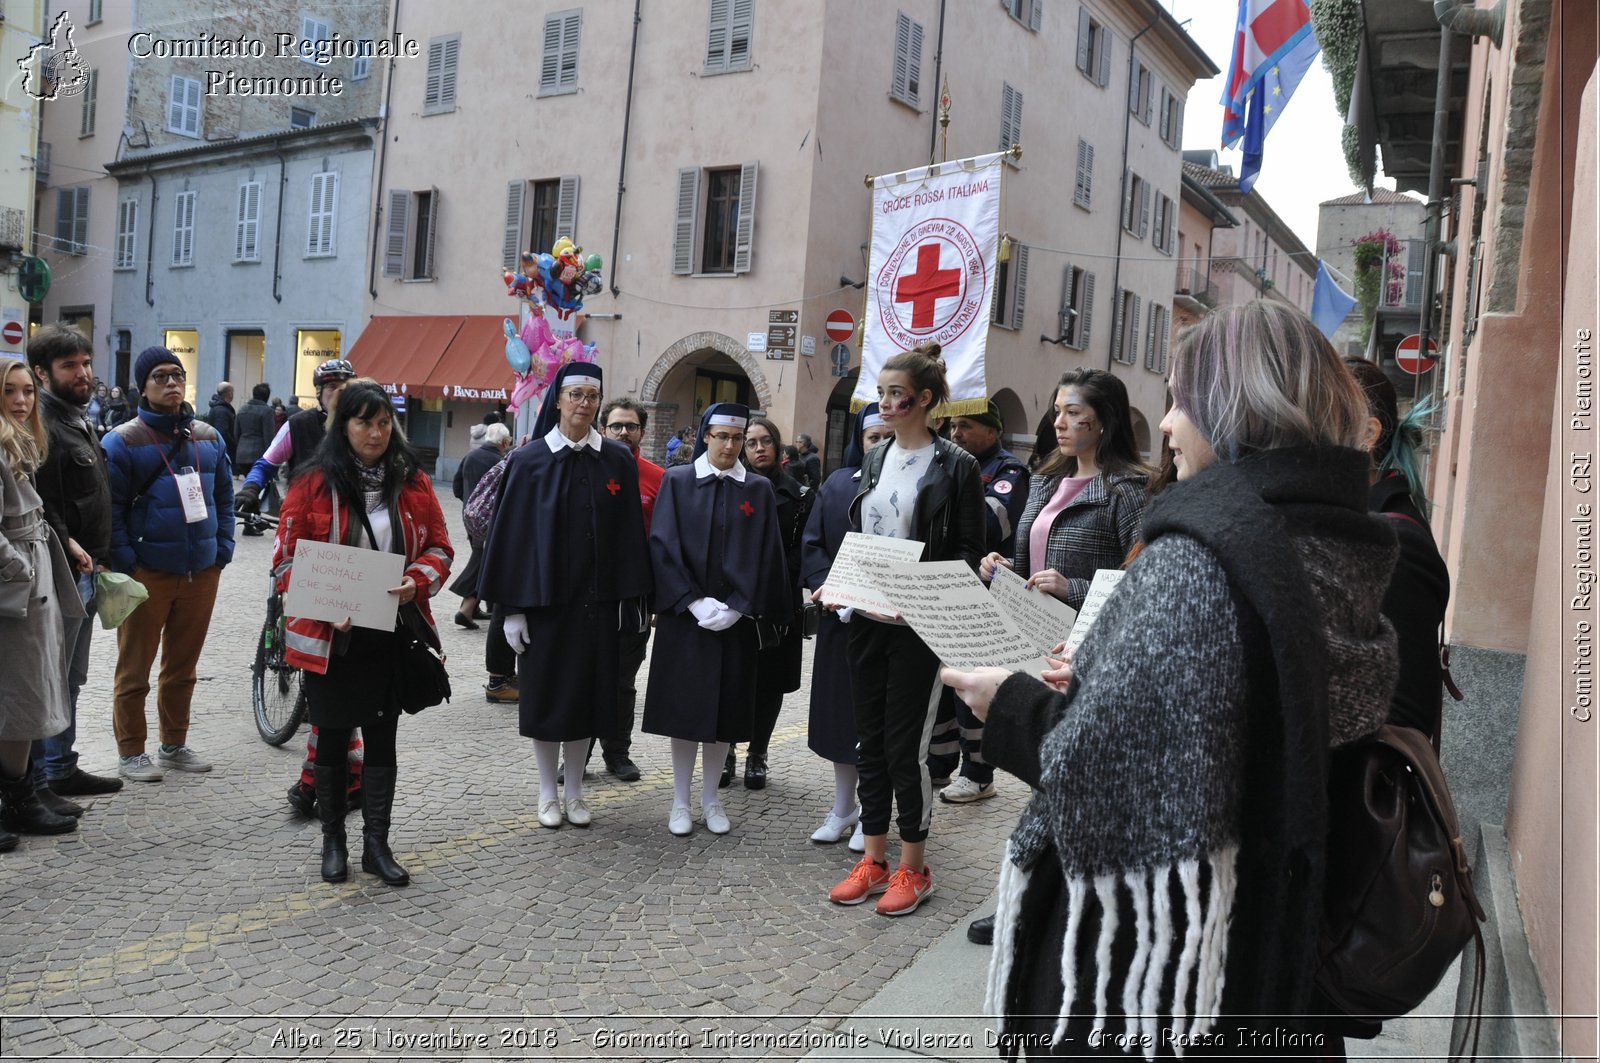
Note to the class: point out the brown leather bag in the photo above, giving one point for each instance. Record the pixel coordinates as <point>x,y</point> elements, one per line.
<point>1398,904</point>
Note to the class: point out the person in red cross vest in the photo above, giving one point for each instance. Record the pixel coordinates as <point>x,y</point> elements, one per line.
<point>721,593</point>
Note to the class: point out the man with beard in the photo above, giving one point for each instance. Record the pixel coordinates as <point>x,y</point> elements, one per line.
<point>77,503</point>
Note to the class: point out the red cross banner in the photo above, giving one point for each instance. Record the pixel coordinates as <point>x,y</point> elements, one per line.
<point>935,246</point>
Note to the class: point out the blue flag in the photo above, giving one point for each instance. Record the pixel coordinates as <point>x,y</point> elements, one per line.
<point>1329,303</point>
<point>1273,47</point>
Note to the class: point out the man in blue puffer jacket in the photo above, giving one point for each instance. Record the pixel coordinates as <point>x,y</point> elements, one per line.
<point>172,530</point>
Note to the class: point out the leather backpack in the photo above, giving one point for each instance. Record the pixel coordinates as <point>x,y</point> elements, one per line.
<point>1398,903</point>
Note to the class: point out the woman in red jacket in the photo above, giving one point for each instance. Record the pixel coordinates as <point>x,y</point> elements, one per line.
<point>363,488</point>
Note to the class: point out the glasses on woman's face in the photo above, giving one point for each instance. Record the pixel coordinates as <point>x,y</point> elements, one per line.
<point>581,396</point>
<point>728,439</point>
<point>175,376</point>
<point>622,428</point>
<point>758,442</point>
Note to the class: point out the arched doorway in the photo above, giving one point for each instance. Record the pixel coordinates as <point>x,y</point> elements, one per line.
<point>1141,436</point>
<point>839,421</point>
<point>700,369</point>
<point>1017,436</point>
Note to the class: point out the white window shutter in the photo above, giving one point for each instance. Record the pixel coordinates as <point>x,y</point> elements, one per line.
<point>1019,259</point>
<point>683,223</point>
<point>192,106</point>
<point>176,96</point>
<point>571,28</point>
<point>1035,13</point>
<point>717,37</point>
<point>1105,56</point>
<point>395,228</point>
<point>567,208</point>
<point>550,59</point>
<point>177,227</point>
<point>433,230</point>
<point>1116,325</point>
<point>744,235</point>
<point>430,90</point>
<point>739,33</point>
<point>1085,41</point>
<point>447,72</point>
<point>516,219</point>
<point>241,219</point>
<point>1086,312</point>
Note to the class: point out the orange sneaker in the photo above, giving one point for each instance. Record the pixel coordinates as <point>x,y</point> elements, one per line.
<point>907,889</point>
<point>866,879</point>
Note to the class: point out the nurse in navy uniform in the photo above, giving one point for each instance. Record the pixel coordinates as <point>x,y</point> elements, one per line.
<point>568,561</point>
<point>721,591</point>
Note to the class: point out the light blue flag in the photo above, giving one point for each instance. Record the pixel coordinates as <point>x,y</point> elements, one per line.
<point>1329,303</point>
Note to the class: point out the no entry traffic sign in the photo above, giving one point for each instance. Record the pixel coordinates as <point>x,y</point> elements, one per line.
<point>1408,355</point>
<point>841,326</point>
<point>11,335</point>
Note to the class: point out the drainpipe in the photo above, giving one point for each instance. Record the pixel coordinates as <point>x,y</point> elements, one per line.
<point>938,79</point>
<point>383,154</point>
<point>277,234</point>
<point>622,159</point>
<point>1127,129</point>
<point>1473,21</point>
<point>149,243</point>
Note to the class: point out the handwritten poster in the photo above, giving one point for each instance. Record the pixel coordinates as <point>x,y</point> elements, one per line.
<point>331,582</point>
<point>1105,581</point>
<point>862,567</point>
<point>949,608</point>
<point>1045,619</point>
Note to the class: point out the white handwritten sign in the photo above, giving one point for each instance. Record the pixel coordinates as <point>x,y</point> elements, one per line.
<point>1105,581</point>
<point>952,612</point>
<point>331,582</point>
<point>861,567</point>
<point>1045,619</point>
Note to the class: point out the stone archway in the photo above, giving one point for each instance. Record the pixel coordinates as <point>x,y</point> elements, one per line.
<point>650,389</point>
<point>1142,438</point>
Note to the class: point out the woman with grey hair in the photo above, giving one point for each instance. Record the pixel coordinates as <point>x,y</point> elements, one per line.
<point>1163,889</point>
<point>492,442</point>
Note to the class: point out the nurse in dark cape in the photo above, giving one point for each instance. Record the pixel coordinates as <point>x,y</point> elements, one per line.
<point>567,560</point>
<point>832,734</point>
<point>721,587</point>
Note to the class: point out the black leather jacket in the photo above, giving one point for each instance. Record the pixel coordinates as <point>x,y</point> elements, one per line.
<point>949,513</point>
<point>73,480</point>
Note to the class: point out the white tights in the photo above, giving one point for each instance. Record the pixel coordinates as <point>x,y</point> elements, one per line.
<point>845,778</point>
<point>547,756</point>
<point>683,770</point>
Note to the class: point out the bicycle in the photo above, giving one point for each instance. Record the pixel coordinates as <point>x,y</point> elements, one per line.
<point>278,695</point>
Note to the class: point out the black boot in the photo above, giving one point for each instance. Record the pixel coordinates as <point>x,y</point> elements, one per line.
<point>21,812</point>
<point>755,771</point>
<point>330,780</point>
<point>8,841</point>
<point>728,767</point>
<point>377,804</point>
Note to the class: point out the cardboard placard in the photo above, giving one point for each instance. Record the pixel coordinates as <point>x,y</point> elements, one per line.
<point>954,614</point>
<point>862,566</point>
<point>1105,581</point>
<point>1045,619</point>
<point>331,582</point>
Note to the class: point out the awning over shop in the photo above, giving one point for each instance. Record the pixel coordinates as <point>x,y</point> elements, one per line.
<point>400,352</point>
<point>474,367</point>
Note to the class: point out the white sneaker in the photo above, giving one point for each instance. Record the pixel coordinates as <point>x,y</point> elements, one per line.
<point>578,812</point>
<point>716,819</point>
<point>833,827</point>
<point>858,840</point>
<point>964,791</point>
<point>140,768</point>
<point>680,822</point>
<point>550,814</point>
<point>181,759</point>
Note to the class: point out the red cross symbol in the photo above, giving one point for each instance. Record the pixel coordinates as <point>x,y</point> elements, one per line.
<point>928,284</point>
<point>613,487</point>
<point>747,509</point>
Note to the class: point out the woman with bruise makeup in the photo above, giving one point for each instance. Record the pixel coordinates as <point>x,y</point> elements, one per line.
<point>1087,498</point>
<point>920,487</point>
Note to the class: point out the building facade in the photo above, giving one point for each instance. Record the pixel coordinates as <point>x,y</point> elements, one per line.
<point>1200,215</point>
<point>726,192</point>
<point>1343,221</point>
<point>1261,257</point>
<point>21,35</point>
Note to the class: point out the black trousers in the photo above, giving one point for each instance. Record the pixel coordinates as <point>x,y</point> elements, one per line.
<point>895,680</point>
<point>498,656</point>
<point>632,651</point>
<point>378,737</point>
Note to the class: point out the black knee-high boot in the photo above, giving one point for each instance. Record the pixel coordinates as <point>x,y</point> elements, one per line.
<point>376,806</point>
<point>330,782</point>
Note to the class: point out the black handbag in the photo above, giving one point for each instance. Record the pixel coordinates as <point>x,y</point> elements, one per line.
<point>421,680</point>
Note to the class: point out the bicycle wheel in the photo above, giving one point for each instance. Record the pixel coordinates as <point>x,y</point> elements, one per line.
<point>276,692</point>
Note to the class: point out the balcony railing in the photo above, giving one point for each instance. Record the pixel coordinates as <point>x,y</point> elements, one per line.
<point>1197,286</point>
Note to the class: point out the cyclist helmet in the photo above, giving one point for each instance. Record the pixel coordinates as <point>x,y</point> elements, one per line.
<point>332,369</point>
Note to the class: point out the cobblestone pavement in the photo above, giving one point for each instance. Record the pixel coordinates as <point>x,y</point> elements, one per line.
<point>187,918</point>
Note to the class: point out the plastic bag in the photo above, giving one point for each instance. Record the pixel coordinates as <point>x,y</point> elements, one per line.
<point>118,595</point>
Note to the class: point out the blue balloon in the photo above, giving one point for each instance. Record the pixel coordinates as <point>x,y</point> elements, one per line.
<point>547,262</point>
<point>517,354</point>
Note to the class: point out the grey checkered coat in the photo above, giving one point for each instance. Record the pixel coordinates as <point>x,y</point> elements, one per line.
<point>1095,531</point>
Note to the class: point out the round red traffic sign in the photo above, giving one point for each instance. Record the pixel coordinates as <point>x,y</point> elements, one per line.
<point>11,333</point>
<point>841,326</point>
<point>1408,357</point>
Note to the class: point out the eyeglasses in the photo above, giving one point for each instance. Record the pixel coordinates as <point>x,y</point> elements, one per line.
<point>177,376</point>
<point>624,426</point>
<point>758,442</point>
<point>727,439</point>
<point>580,397</point>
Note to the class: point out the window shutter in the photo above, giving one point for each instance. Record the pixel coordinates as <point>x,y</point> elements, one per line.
<point>1035,11</point>
<point>1064,320</point>
<point>571,28</point>
<point>433,230</point>
<point>567,208</point>
<point>1088,178</point>
<point>1080,188</point>
<point>511,247</point>
<point>319,231</point>
<point>1177,123</point>
<point>550,63</point>
<point>744,235</point>
<point>91,92</point>
<point>901,79</point>
<point>914,84</point>
<point>1116,325</point>
<point>1166,114</point>
<point>183,229</point>
<point>127,223</point>
<point>1133,91</point>
<point>1086,311</point>
<point>1105,56</point>
<point>1172,223</point>
<point>1132,333</point>
<point>739,34</point>
<point>247,231</point>
<point>1150,339</point>
<point>1166,334</point>
<point>1149,97</point>
<point>191,106</point>
<point>430,90</point>
<point>683,226</point>
<point>1144,208</point>
<point>1085,41</point>
<point>64,202</point>
<point>1019,258</point>
<point>176,95</point>
<point>447,73</point>
<point>717,37</point>
<point>1010,116</point>
<point>394,242</point>
<point>1127,199</point>
<point>80,222</point>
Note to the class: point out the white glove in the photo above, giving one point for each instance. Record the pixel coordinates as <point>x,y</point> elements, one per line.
<point>722,621</point>
<point>705,609</point>
<point>845,614</point>
<point>517,632</point>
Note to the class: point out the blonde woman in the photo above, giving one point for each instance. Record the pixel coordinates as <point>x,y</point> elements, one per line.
<point>37,599</point>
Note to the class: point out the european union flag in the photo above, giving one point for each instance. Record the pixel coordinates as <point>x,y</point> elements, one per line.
<point>1273,47</point>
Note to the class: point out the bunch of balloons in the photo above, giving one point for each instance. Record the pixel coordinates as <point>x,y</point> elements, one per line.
<point>555,283</point>
<point>559,279</point>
